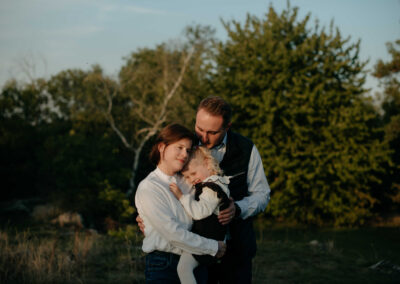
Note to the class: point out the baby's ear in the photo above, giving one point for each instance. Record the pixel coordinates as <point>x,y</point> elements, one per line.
<point>208,164</point>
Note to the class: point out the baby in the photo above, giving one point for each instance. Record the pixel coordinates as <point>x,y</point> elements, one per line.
<point>211,194</point>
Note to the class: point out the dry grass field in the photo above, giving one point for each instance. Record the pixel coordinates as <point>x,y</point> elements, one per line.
<point>47,254</point>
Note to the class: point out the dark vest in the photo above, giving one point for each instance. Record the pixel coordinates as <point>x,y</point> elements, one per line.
<point>235,163</point>
<point>210,227</point>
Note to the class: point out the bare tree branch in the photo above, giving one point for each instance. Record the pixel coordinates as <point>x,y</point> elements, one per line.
<point>169,95</point>
<point>141,111</point>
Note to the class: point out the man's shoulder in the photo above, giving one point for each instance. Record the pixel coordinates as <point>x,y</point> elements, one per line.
<point>239,138</point>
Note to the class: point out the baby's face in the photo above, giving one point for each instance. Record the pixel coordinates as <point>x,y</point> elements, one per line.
<point>196,172</point>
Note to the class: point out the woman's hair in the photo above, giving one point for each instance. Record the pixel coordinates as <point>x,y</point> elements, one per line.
<point>200,154</point>
<point>168,135</point>
<point>217,106</point>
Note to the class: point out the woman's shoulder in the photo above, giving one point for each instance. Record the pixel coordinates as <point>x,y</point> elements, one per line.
<point>149,181</point>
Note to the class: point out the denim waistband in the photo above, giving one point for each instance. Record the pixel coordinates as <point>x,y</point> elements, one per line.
<point>169,255</point>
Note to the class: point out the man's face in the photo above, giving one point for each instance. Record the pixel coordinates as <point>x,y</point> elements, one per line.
<point>209,128</point>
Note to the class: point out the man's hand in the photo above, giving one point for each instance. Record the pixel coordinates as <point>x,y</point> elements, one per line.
<point>140,223</point>
<point>221,249</point>
<point>226,216</point>
<point>175,190</point>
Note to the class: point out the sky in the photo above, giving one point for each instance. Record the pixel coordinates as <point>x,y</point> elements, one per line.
<point>48,36</point>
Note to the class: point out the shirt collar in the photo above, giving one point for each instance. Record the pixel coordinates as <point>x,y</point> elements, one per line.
<point>217,178</point>
<point>223,143</point>
<point>164,176</point>
<point>220,145</point>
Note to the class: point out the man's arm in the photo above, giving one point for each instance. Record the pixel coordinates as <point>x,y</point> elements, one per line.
<point>258,188</point>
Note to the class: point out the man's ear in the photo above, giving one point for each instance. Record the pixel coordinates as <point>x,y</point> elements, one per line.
<point>228,126</point>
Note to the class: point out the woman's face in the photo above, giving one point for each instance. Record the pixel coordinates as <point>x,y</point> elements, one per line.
<point>174,156</point>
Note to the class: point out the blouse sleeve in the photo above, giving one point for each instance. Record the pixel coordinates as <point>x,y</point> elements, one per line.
<point>154,207</point>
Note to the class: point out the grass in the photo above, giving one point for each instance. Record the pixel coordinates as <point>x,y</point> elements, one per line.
<point>45,254</point>
<point>49,255</point>
<point>300,255</point>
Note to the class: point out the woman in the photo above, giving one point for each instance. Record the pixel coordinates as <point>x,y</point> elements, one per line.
<point>166,223</point>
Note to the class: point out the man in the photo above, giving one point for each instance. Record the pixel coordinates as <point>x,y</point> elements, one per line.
<point>238,157</point>
<point>249,189</point>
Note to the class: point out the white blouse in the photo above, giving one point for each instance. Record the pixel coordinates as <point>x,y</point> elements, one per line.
<point>166,223</point>
<point>208,200</point>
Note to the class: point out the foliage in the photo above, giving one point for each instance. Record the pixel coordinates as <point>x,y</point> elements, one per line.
<point>23,113</point>
<point>52,151</point>
<point>130,232</point>
<point>63,135</point>
<point>115,202</point>
<point>389,75</point>
<point>297,93</point>
<point>150,92</point>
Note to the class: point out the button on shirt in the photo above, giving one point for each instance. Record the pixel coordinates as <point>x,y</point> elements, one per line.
<point>166,223</point>
<point>258,186</point>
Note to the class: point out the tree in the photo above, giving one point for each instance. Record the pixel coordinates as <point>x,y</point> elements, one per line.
<point>389,75</point>
<point>23,111</point>
<point>152,90</point>
<point>146,88</point>
<point>297,93</point>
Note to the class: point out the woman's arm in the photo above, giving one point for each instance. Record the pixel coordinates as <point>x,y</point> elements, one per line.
<point>153,208</point>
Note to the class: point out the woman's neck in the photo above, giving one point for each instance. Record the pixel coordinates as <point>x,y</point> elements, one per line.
<point>165,170</point>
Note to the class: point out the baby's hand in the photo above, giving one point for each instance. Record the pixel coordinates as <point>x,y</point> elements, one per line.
<point>175,190</point>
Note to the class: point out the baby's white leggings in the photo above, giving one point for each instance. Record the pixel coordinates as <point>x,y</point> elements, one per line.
<point>186,265</point>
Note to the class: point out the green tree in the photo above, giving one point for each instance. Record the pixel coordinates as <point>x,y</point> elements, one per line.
<point>23,112</point>
<point>297,93</point>
<point>81,150</point>
<point>55,149</point>
<point>389,75</point>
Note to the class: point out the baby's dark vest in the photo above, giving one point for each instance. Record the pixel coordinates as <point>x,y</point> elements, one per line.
<point>235,163</point>
<point>210,227</point>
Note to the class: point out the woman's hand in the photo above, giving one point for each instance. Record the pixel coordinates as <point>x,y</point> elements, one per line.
<point>221,249</point>
<point>175,190</point>
<point>140,223</point>
<point>226,216</point>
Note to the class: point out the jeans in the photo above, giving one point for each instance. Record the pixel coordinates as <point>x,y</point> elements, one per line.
<point>161,268</point>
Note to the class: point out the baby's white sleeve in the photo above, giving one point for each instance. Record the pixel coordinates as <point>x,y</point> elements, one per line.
<point>208,202</point>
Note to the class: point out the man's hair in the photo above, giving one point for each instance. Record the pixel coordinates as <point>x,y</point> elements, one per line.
<point>217,106</point>
<point>170,134</point>
<point>200,154</point>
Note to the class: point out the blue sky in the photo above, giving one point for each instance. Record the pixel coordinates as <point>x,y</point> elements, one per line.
<point>55,35</point>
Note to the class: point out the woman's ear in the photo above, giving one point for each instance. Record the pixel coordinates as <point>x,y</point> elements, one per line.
<point>161,147</point>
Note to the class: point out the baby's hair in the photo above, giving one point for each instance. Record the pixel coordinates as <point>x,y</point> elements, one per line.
<point>201,153</point>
